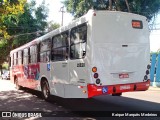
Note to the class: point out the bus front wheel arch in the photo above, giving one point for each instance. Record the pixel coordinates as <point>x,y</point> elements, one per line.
<point>45,89</point>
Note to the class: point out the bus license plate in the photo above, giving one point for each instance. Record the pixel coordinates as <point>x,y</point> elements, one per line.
<point>124,75</point>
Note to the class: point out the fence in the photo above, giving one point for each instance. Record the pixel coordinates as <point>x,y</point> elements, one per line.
<point>155,70</point>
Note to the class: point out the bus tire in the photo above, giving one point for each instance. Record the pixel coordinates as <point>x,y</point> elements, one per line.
<point>116,94</point>
<point>18,87</point>
<point>45,90</point>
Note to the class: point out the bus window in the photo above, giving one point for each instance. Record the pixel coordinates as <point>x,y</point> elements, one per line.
<point>19,57</point>
<point>45,45</point>
<point>12,59</point>
<point>45,56</point>
<point>9,61</point>
<point>25,56</point>
<point>33,54</point>
<point>78,42</point>
<point>60,47</point>
<point>45,48</point>
<point>15,58</point>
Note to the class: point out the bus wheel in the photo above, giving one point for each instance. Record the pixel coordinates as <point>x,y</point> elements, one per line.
<point>18,87</point>
<point>45,90</point>
<point>116,94</point>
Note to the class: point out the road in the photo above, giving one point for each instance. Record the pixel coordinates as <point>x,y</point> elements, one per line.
<point>29,100</point>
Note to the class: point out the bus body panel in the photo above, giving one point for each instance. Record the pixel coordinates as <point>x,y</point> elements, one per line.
<point>75,91</point>
<point>59,77</point>
<point>119,48</point>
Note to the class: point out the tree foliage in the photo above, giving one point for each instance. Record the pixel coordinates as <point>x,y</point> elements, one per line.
<point>9,10</point>
<point>148,8</point>
<point>52,26</point>
<point>31,24</point>
<point>26,27</point>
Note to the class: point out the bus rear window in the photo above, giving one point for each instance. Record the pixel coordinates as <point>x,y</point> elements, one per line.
<point>137,24</point>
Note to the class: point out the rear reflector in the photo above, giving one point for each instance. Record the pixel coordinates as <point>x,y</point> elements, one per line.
<point>95,75</point>
<point>94,69</point>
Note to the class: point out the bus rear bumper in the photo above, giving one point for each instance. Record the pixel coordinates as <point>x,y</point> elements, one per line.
<point>94,90</point>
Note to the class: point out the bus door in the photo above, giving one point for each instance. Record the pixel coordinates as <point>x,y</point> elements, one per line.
<point>77,67</point>
<point>59,65</point>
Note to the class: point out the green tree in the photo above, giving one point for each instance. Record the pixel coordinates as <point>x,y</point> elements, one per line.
<point>27,27</point>
<point>9,9</point>
<point>148,8</point>
<point>52,26</point>
<point>30,25</point>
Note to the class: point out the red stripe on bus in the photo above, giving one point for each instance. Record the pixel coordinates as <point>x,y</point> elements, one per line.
<point>94,90</point>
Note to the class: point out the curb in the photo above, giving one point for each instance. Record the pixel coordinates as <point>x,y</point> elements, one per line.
<point>154,88</point>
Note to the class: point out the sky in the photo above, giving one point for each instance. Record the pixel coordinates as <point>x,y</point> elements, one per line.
<point>54,11</point>
<point>56,16</point>
<point>155,36</point>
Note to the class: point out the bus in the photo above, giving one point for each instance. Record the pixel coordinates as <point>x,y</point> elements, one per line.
<point>100,53</point>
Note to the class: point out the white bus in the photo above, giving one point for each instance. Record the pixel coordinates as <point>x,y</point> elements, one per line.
<point>100,53</point>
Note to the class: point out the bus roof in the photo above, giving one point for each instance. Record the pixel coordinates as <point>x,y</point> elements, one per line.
<point>72,24</point>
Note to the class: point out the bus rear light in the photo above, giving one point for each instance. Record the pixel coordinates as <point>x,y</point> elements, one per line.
<point>94,69</point>
<point>145,77</point>
<point>84,91</point>
<point>148,66</point>
<point>147,72</point>
<point>95,75</point>
<point>98,81</point>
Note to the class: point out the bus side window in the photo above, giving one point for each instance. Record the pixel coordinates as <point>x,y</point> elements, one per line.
<point>33,54</point>
<point>9,61</point>
<point>19,57</point>
<point>60,47</point>
<point>38,52</point>
<point>22,56</point>
<point>78,43</point>
<point>12,60</point>
<point>29,57</point>
<point>25,56</point>
<point>45,48</point>
<point>15,58</point>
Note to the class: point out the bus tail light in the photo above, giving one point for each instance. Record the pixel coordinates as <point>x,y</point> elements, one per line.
<point>148,66</point>
<point>98,81</point>
<point>145,77</point>
<point>95,75</point>
<point>84,91</point>
<point>147,72</point>
<point>94,69</point>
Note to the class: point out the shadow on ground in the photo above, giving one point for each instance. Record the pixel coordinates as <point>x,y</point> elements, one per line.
<point>26,100</point>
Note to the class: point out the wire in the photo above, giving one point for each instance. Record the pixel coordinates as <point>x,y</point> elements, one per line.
<point>26,34</point>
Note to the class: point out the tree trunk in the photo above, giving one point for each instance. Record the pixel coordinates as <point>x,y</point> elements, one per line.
<point>110,4</point>
<point>118,8</point>
<point>127,5</point>
<point>1,69</point>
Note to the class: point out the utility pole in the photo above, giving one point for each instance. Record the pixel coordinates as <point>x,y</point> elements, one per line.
<point>62,10</point>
